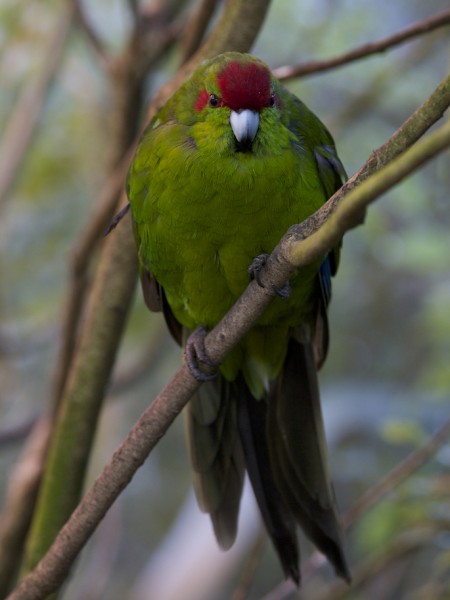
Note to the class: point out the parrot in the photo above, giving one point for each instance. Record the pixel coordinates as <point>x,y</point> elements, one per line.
<point>225,167</point>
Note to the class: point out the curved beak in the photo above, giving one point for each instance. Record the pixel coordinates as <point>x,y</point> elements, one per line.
<point>245,125</point>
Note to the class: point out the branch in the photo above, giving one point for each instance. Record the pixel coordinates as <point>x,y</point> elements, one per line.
<point>53,568</point>
<point>398,474</point>
<point>22,124</point>
<point>313,67</point>
<point>299,250</point>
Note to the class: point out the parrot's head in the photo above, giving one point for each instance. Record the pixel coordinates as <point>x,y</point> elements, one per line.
<point>236,96</point>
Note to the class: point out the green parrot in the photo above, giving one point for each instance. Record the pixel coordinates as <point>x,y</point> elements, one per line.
<point>230,162</point>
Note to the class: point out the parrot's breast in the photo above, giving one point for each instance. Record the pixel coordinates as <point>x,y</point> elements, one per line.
<point>204,219</point>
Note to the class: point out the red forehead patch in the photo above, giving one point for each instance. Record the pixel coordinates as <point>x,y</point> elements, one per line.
<point>245,86</point>
<point>202,100</point>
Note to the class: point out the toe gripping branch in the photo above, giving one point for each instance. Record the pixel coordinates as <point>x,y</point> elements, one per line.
<point>196,356</point>
<point>254,272</point>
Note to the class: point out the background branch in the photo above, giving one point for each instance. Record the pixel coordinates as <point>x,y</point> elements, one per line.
<point>365,50</point>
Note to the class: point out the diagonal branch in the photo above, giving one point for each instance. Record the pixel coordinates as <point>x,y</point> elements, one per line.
<point>398,474</point>
<point>313,67</point>
<point>292,252</point>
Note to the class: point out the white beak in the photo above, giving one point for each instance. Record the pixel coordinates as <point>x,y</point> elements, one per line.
<point>244,125</point>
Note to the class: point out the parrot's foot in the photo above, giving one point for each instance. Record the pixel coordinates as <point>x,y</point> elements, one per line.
<point>195,353</point>
<point>283,292</point>
<point>255,268</point>
<point>254,272</point>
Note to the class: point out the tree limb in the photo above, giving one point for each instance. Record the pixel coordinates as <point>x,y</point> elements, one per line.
<point>53,568</point>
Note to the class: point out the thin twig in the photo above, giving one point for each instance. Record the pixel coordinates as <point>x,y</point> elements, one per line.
<point>313,67</point>
<point>398,474</point>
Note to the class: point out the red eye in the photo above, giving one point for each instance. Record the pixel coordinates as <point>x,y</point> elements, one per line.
<point>214,101</point>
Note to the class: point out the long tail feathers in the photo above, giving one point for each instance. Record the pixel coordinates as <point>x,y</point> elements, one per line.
<point>298,454</point>
<point>282,445</point>
<point>277,518</point>
<point>216,456</point>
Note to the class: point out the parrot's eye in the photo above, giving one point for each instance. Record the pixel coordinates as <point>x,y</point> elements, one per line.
<point>214,101</point>
<point>274,101</point>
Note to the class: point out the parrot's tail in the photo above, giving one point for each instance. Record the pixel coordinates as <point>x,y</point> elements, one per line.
<point>278,519</point>
<point>297,461</point>
<point>216,455</point>
<point>280,441</point>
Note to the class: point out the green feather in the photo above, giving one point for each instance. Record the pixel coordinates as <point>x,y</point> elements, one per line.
<point>203,208</point>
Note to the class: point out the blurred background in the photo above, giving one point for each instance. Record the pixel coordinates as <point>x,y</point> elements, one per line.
<point>385,385</point>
